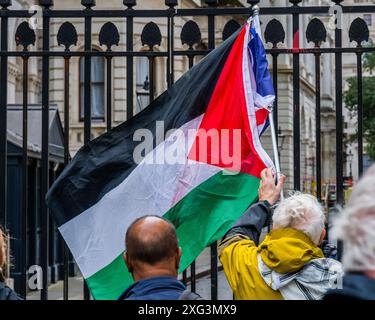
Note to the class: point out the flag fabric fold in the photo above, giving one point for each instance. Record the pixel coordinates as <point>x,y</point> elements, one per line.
<point>262,85</point>
<point>201,190</point>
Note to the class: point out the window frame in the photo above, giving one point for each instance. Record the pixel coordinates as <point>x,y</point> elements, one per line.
<point>365,18</point>
<point>81,116</point>
<point>138,86</point>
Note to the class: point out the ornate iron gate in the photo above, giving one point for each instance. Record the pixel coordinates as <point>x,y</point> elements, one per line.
<point>151,36</point>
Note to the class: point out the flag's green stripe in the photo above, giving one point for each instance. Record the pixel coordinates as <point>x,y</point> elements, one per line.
<point>209,210</point>
<point>111,281</point>
<point>201,217</point>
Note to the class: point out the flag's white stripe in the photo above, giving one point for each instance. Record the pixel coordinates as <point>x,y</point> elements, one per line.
<point>247,72</point>
<point>96,236</point>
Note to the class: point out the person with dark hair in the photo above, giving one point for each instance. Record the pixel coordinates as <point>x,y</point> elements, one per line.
<point>152,256</point>
<point>5,292</point>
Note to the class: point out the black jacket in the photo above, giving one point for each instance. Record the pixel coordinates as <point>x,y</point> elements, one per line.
<point>356,286</point>
<point>6,293</point>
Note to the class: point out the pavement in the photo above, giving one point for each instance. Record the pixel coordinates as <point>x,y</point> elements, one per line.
<point>203,283</point>
<point>224,290</point>
<point>55,291</point>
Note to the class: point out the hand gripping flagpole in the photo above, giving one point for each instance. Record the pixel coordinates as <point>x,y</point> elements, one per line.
<point>256,10</point>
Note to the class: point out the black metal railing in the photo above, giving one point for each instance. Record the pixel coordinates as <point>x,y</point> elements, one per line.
<point>151,37</point>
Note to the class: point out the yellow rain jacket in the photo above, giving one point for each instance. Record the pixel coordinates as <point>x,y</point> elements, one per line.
<point>283,250</point>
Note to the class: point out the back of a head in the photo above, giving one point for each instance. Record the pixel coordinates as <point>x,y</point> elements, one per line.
<point>301,212</point>
<point>151,240</point>
<point>356,226</point>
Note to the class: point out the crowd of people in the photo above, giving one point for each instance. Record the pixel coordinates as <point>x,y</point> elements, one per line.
<point>289,263</point>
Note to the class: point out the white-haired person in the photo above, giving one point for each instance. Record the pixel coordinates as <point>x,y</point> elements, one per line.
<point>356,228</point>
<point>288,264</point>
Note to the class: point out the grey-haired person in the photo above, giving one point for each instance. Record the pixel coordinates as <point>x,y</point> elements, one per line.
<point>356,228</point>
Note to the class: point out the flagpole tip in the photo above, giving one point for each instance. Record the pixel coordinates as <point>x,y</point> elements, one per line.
<point>256,10</point>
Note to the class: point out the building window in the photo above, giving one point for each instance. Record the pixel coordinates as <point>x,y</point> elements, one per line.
<point>368,19</point>
<point>142,83</point>
<point>97,88</point>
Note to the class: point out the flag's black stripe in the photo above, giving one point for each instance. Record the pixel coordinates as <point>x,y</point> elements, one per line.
<point>106,161</point>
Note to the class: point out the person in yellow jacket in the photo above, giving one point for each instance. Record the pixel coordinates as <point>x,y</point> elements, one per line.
<point>288,264</point>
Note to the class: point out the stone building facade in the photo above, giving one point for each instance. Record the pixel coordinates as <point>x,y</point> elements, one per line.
<point>307,103</point>
<point>141,75</point>
<point>350,70</point>
<point>307,98</point>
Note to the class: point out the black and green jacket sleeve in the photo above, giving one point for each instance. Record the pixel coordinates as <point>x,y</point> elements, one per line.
<point>250,225</point>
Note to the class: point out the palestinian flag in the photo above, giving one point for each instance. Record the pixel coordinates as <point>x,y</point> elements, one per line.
<point>201,190</point>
